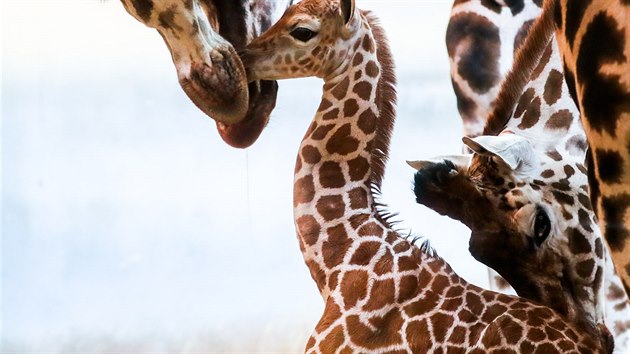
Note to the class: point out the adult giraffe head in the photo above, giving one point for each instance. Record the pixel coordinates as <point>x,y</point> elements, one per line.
<point>204,38</point>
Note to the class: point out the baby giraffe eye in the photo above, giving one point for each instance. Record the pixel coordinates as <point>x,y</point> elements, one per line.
<point>303,34</point>
<point>542,226</point>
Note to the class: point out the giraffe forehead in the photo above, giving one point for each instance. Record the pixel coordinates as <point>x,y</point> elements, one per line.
<point>321,7</point>
<point>159,6</point>
<point>304,20</point>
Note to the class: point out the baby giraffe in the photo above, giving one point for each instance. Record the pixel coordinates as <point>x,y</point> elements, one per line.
<point>381,292</point>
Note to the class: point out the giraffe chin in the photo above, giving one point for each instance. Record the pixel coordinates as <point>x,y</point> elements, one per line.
<point>262,100</point>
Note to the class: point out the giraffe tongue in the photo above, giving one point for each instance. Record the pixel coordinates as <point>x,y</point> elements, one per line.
<point>262,100</point>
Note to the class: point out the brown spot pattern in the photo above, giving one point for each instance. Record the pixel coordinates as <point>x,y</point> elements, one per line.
<point>386,333</point>
<point>324,105</point>
<point>560,120</point>
<point>370,229</point>
<point>363,89</point>
<point>364,253</point>
<point>321,131</point>
<point>350,108</point>
<point>353,287</point>
<point>367,121</point>
<point>303,190</point>
<point>532,114</point>
<point>553,87</point>
<point>333,340</point>
<point>543,62</point>
<point>585,268</point>
<point>371,69</point>
<point>578,242</point>
<point>358,198</point>
<point>341,89</point>
<point>332,114</point>
<point>358,168</point>
<point>311,154</point>
<point>342,142</point>
<point>547,174</point>
<point>336,246</point>
<point>308,228</point>
<point>524,101</point>
<point>330,207</point>
<point>382,294</point>
<point>367,44</point>
<point>330,175</point>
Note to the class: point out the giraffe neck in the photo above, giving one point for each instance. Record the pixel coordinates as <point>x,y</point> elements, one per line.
<point>341,157</point>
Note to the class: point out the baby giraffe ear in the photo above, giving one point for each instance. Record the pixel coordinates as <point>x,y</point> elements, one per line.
<point>512,149</point>
<point>347,10</point>
<point>461,162</point>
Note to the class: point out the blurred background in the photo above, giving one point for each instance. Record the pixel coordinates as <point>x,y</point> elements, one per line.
<point>129,226</point>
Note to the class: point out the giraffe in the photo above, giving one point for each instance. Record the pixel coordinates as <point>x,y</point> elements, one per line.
<point>381,292</point>
<point>524,194</point>
<point>484,23</point>
<point>203,37</point>
<point>594,38</point>
<point>481,38</point>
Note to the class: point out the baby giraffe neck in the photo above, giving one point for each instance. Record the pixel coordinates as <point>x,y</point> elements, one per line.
<point>341,159</point>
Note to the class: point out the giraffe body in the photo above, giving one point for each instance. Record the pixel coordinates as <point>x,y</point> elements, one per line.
<point>594,38</point>
<point>481,39</point>
<point>535,108</point>
<point>381,292</point>
<point>204,37</point>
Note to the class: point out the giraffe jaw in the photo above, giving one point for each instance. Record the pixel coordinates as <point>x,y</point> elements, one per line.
<point>241,110</point>
<point>262,100</point>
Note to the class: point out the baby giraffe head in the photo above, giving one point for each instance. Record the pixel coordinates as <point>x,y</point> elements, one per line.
<point>530,218</point>
<point>311,39</point>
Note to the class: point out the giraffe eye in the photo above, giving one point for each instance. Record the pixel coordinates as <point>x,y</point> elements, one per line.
<point>542,226</point>
<point>303,34</point>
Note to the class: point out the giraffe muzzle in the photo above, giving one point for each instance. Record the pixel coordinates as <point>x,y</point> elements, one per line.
<point>218,86</point>
<point>241,110</point>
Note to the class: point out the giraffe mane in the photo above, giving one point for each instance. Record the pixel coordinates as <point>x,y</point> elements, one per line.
<point>386,102</point>
<point>390,218</point>
<point>525,60</point>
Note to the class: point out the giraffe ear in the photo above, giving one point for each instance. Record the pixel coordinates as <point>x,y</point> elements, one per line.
<point>461,162</point>
<point>346,7</point>
<point>515,151</point>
